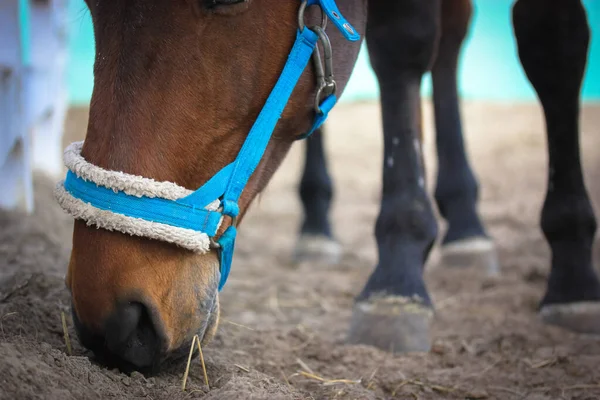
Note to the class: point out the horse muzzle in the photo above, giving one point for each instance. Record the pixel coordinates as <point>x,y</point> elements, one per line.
<point>134,338</point>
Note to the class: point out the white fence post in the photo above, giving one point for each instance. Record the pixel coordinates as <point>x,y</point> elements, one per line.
<point>33,95</point>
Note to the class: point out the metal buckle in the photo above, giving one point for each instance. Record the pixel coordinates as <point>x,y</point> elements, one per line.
<point>234,221</point>
<point>326,85</point>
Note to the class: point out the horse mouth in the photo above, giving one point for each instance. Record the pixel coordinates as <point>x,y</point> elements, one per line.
<point>174,359</point>
<point>157,358</point>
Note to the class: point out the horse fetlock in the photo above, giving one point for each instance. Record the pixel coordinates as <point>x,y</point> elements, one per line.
<point>582,317</point>
<point>392,323</point>
<point>474,252</point>
<point>568,215</point>
<point>317,248</point>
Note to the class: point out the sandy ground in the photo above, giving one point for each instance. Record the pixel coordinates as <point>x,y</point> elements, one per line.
<point>280,318</point>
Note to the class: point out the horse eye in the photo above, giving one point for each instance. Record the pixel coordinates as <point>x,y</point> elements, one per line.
<point>216,3</point>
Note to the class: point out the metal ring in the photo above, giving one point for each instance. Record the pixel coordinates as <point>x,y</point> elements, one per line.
<point>214,244</point>
<point>331,89</point>
<point>318,98</point>
<point>234,220</point>
<point>301,12</point>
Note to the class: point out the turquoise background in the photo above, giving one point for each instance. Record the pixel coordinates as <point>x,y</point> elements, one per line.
<point>490,69</point>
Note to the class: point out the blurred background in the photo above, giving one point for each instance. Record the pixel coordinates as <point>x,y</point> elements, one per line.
<point>490,67</point>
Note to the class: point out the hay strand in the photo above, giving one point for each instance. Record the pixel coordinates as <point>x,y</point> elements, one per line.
<point>305,367</point>
<point>311,376</point>
<point>327,382</point>
<point>371,382</point>
<point>287,382</point>
<point>245,369</point>
<point>541,364</point>
<point>202,361</point>
<point>189,361</point>
<point>66,333</point>
<point>238,325</point>
<point>415,382</point>
<point>195,341</point>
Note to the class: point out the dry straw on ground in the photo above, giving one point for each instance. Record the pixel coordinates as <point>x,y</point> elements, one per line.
<point>195,341</point>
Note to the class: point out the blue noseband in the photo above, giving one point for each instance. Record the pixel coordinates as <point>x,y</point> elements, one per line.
<point>227,185</point>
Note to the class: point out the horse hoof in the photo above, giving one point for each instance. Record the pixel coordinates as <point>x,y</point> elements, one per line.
<point>473,252</point>
<point>317,248</point>
<point>395,324</point>
<point>581,317</point>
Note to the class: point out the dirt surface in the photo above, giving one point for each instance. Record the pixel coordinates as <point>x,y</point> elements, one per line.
<point>279,319</point>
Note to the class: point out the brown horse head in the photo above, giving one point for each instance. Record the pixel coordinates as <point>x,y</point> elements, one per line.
<point>177,87</point>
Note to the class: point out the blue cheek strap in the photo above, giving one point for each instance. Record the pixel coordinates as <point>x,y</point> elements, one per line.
<point>139,206</point>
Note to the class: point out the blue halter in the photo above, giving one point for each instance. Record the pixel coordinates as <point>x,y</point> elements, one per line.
<point>227,185</point>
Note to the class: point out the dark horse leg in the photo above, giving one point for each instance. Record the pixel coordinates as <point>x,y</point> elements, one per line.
<point>552,38</point>
<point>465,242</point>
<point>394,310</point>
<point>316,241</point>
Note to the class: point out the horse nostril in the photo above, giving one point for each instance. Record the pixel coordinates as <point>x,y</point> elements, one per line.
<point>131,335</point>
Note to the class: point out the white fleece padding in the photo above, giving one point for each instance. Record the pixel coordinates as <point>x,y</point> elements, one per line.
<point>135,186</point>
